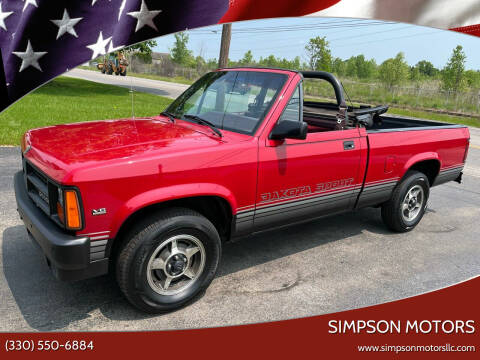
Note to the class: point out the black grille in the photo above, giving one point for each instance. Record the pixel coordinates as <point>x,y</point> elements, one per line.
<point>42,190</point>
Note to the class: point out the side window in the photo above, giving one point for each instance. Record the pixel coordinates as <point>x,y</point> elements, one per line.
<point>292,110</point>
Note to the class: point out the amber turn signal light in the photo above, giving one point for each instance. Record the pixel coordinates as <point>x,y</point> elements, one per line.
<point>72,210</point>
<point>23,143</point>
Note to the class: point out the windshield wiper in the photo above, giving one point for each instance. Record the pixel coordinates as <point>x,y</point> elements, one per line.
<point>202,121</point>
<point>169,115</point>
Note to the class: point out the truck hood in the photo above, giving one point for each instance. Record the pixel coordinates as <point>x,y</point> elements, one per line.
<point>59,149</point>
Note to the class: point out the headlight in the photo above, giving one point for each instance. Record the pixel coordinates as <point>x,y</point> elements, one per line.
<point>60,196</point>
<point>60,209</point>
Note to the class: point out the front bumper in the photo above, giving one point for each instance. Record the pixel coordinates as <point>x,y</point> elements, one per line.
<point>68,256</point>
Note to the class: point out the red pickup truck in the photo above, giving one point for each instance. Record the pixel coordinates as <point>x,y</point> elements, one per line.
<point>239,152</point>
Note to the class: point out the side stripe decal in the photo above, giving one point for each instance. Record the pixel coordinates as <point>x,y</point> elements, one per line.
<point>372,186</point>
<point>371,190</point>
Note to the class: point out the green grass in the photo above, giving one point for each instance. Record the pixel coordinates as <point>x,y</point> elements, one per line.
<point>176,79</point>
<point>67,100</point>
<point>419,99</point>
<point>475,122</point>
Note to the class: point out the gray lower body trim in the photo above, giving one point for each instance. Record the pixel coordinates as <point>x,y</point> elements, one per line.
<point>376,194</point>
<point>293,211</point>
<point>447,175</point>
<point>243,223</point>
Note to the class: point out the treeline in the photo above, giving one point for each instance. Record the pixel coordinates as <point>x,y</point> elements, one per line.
<point>392,72</point>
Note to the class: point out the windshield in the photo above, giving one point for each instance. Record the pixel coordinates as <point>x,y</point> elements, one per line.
<point>231,100</point>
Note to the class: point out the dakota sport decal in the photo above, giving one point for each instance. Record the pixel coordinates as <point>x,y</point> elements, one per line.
<point>305,190</point>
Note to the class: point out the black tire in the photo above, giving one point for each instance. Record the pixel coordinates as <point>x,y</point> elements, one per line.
<point>124,73</point>
<point>141,245</point>
<point>393,215</point>
<point>103,70</point>
<point>110,70</point>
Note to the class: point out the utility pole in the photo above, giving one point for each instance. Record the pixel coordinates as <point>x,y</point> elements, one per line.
<point>225,45</point>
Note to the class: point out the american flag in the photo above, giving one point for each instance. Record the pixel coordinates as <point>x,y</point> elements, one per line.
<point>41,39</point>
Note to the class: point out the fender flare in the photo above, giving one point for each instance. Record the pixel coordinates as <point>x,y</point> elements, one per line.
<point>175,192</point>
<point>419,158</point>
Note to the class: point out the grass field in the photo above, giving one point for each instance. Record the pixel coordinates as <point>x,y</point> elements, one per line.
<point>176,79</point>
<point>420,99</point>
<point>67,100</point>
<point>475,122</point>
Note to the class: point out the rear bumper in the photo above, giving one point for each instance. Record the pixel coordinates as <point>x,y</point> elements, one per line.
<point>68,256</point>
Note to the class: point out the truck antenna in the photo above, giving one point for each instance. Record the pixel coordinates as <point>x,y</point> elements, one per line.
<point>133,97</point>
<point>348,96</point>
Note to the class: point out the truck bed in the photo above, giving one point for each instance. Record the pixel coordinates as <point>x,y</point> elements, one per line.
<point>404,123</point>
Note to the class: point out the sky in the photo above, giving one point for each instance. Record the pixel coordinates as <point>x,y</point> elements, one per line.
<point>286,38</point>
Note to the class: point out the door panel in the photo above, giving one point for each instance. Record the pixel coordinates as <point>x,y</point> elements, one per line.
<point>301,179</point>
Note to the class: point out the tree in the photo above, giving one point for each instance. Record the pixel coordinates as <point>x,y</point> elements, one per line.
<point>142,50</point>
<point>247,58</point>
<point>212,64</point>
<point>339,67</point>
<point>426,68</point>
<point>394,71</point>
<point>364,69</point>
<point>473,78</point>
<point>372,69</point>
<point>295,63</point>
<point>415,74</point>
<point>200,64</point>
<point>453,74</point>
<point>351,67</point>
<point>180,53</point>
<point>273,62</point>
<point>319,54</point>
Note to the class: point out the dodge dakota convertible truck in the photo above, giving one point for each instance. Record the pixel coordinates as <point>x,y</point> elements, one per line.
<point>239,152</point>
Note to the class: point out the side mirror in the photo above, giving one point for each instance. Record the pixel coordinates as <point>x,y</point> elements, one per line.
<point>288,129</point>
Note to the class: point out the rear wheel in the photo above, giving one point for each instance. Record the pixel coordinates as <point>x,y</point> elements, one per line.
<point>168,260</point>
<point>124,73</point>
<point>408,203</point>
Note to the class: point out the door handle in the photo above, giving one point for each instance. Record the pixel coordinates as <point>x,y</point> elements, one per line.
<point>348,145</point>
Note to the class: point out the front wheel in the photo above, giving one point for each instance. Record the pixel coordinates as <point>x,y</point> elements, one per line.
<point>168,260</point>
<point>408,203</point>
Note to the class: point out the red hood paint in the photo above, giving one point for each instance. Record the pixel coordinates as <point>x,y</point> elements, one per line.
<point>58,150</point>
